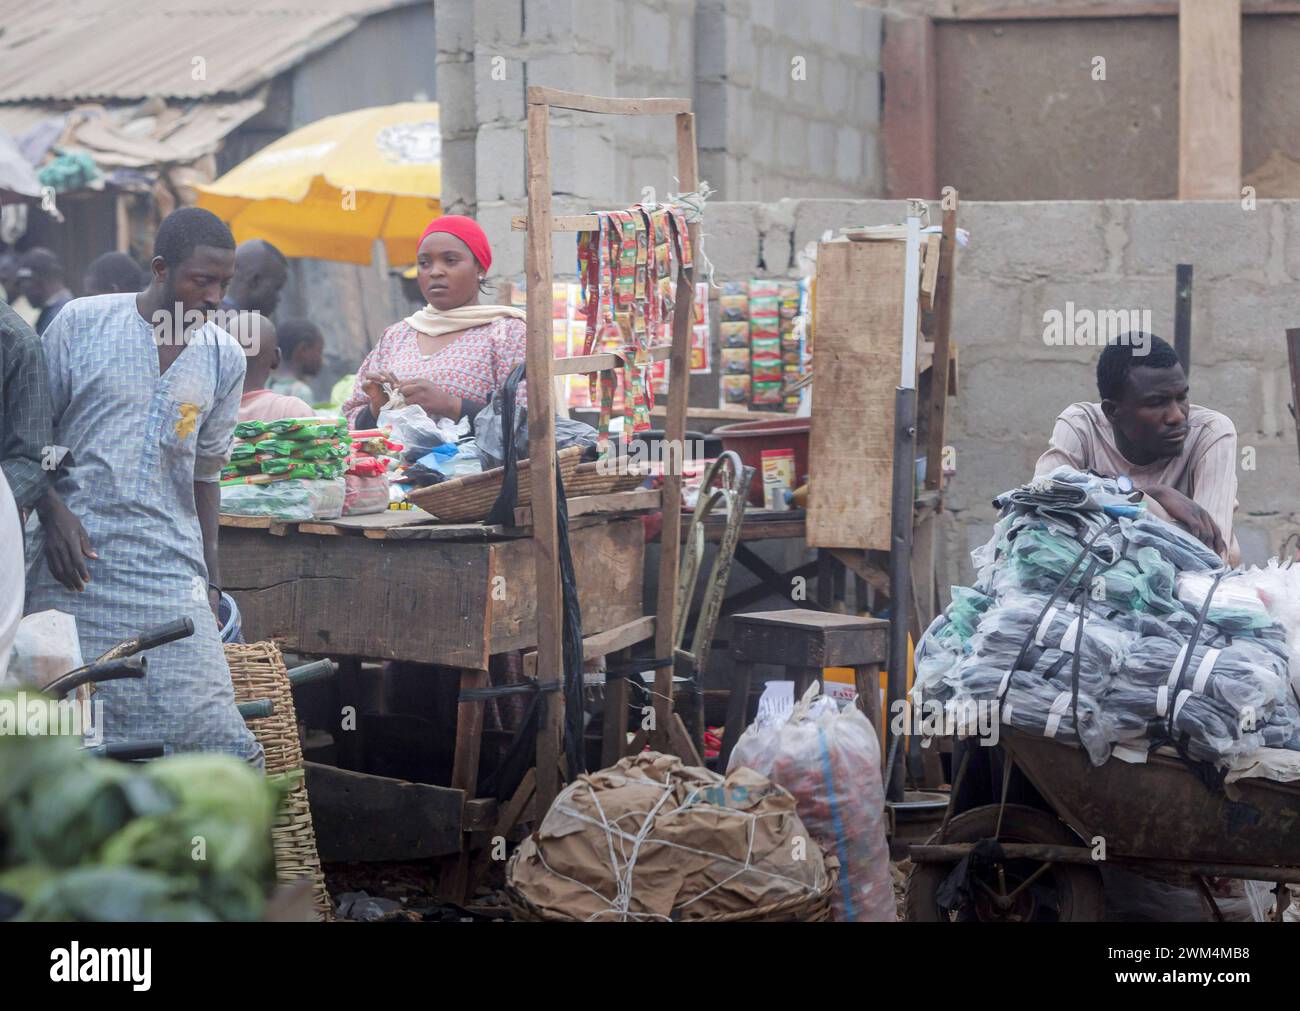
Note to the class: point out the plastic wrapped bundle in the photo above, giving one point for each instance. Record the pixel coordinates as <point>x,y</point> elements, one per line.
<point>1044,708</point>
<point>1282,730</point>
<point>946,641</point>
<point>1240,674</point>
<point>829,759</point>
<point>1175,544</point>
<point>1211,728</point>
<point>1235,607</point>
<point>1020,618</point>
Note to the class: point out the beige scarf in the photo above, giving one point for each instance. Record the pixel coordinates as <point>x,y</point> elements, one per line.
<point>436,322</point>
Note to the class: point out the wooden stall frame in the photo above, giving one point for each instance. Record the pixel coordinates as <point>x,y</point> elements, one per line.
<point>542,366</point>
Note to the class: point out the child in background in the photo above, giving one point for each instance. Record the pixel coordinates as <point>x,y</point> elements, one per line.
<point>257,336</point>
<point>302,347</point>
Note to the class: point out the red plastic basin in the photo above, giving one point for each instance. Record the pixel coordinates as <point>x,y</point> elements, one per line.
<point>749,438</point>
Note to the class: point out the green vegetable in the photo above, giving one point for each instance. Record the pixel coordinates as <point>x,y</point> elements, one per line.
<point>116,895</point>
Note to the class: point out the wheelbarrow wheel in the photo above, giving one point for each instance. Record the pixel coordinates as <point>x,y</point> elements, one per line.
<point>1058,892</point>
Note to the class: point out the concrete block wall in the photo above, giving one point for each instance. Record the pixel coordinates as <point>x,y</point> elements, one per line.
<point>1028,258</point>
<point>761,132</point>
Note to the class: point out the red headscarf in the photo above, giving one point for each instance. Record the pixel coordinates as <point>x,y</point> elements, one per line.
<point>465,229</point>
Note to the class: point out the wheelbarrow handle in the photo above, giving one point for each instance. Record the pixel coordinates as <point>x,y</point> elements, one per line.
<point>97,672</point>
<point>181,628</point>
<point>317,670</point>
<point>258,709</point>
<point>129,751</point>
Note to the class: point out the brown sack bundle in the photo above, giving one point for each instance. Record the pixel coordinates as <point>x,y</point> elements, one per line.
<point>653,839</point>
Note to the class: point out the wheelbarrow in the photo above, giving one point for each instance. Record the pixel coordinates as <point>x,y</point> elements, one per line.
<point>1025,864</point>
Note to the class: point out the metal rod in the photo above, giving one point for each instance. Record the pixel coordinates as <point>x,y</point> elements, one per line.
<point>1183,315</point>
<point>900,568</point>
<point>953,852</point>
<point>911,305</point>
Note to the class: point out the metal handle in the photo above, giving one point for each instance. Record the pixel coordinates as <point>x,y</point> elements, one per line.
<point>317,670</point>
<point>258,709</point>
<point>181,628</point>
<point>129,751</point>
<point>100,670</point>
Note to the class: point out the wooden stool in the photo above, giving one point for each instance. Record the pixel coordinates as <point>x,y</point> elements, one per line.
<point>805,642</point>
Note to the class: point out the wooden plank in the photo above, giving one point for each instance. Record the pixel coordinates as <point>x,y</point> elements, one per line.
<point>278,528</point>
<point>719,413</point>
<point>910,108</point>
<point>680,740</point>
<point>352,596</point>
<point>608,561</point>
<point>517,804</point>
<point>386,520</point>
<point>481,814</point>
<point>930,268</point>
<point>541,435</point>
<point>463,532</point>
<point>469,735</point>
<point>557,99</point>
<point>939,389</point>
<point>858,318</point>
<point>358,817</point>
<point>675,429</point>
<point>582,364</point>
<point>862,566</point>
<point>637,500</point>
<point>560,223</point>
<point>1209,100</point>
<point>1056,12</point>
<point>612,640</point>
<point>764,526</point>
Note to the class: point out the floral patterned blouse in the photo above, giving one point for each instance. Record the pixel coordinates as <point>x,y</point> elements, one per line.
<point>474,365</point>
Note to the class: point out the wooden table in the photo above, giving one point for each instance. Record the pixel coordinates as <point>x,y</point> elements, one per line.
<point>400,586</point>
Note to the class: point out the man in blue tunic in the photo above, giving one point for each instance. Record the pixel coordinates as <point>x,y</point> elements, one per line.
<point>145,390</point>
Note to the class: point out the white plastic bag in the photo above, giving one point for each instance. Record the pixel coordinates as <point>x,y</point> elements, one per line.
<point>829,759</point>
<point>45,648</point>
<point>295,500</point>
<point>414,429</point>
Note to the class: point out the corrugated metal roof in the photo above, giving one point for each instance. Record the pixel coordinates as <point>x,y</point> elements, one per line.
<point>95,50</point>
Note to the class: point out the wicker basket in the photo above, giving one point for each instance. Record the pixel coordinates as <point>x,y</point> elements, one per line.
<point>588,480</point>
<point>258,672</point>
<point>797,909</point>
<point>469,499</point>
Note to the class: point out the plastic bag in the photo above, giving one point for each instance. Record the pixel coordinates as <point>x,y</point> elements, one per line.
<point>490,443</point>
<point>829,759</point>
<point>46,647</point>
<point>295,500</point>
<point>419,433</point>
<point>364,495</point>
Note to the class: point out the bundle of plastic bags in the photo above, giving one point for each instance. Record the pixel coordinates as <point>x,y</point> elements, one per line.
<point>1091,611</point>
<point>829,759</point>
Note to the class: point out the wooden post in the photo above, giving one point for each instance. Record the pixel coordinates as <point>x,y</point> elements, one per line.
<point>541,451</point>
<point>675,436</point>
<point>1209,100</point>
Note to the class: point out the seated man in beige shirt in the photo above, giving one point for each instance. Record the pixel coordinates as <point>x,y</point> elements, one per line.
<point>1183,457</point>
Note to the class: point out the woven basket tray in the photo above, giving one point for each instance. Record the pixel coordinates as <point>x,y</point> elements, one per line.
<point>469,499</point>
<point>797,909</point>
<point>258,672</point>
<point>587,480</point>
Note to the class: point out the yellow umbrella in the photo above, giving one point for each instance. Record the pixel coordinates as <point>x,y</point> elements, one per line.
<point>330,189</point>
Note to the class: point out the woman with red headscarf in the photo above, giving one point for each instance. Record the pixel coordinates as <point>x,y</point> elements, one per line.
<point>451,355</point>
